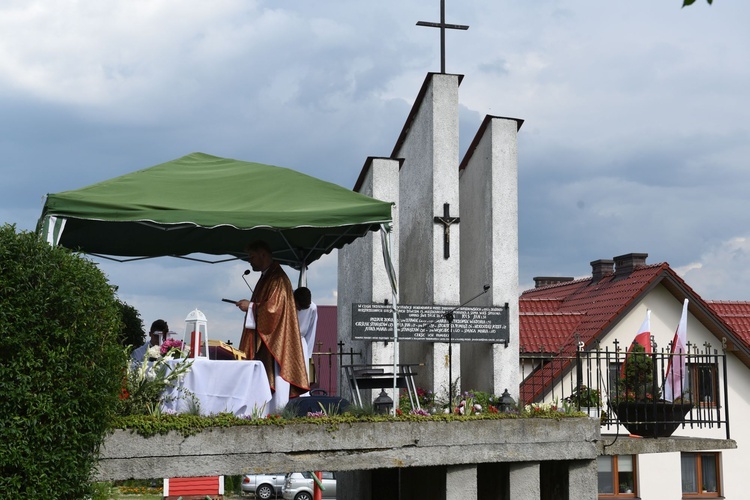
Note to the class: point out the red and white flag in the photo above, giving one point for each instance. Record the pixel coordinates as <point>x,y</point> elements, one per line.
<point>676,381</point>
<point>643,337</point>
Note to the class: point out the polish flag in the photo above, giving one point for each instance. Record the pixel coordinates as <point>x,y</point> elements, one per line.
<point>676,382</point>
<point>643,337</point>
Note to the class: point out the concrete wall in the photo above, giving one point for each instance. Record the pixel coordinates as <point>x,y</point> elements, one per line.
<point>362,277</point>
<point>489,250</point>
<point>428,179</point>
<point>348,447</point>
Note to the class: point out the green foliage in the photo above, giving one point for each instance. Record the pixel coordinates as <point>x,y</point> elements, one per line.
<point>60,367</point>
<point>132,333</point>
<point>685,3</point>
<point>188,425</point>
<point>637,384</point>
<point>585,396</point>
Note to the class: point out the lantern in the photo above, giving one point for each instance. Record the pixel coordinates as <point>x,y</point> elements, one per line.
<point>383,403</point>
<point>507,403</point>
<point>196,332</point>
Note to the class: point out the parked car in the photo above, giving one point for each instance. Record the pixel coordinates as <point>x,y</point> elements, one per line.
<point>299,486</point>
<point>263,486</point>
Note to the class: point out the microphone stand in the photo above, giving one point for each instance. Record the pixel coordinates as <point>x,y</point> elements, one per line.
<point>245,280</point>
<point>449,318</point>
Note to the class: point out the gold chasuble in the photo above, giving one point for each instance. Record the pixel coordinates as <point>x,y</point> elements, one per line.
<point>276,335</point>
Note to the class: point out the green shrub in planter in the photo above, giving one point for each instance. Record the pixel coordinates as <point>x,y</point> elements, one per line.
<point>61,367</point>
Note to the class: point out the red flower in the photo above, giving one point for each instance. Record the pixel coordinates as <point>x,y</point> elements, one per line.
<point>399,412</point>
<point>124,394</point>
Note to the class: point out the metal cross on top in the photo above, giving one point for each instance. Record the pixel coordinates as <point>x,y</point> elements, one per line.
<point>443,27</point>
<point>446,220</point>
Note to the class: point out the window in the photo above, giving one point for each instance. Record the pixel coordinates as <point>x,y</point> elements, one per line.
<point>703,382</point>
<point>617,476</point>
<point>701,474</point>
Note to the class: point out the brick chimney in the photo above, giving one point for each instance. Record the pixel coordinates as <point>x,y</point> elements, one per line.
<point>625,264</point>
<point>541,281</point>
<point>601,268</point>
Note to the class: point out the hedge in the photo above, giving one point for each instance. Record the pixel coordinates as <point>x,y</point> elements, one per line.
<point>61,367</point>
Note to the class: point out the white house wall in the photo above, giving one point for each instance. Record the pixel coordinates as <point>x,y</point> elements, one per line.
<point>660,474</point>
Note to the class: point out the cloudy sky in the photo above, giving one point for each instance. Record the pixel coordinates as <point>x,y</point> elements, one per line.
<point>636,134</point>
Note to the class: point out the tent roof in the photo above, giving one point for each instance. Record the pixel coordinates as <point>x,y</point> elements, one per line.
<point>206,204</point>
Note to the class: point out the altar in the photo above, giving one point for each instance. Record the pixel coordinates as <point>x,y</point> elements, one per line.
<point>239,387</point>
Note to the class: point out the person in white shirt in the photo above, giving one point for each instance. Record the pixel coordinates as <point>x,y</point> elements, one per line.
<point>307,314</point>
<point>157,335</point>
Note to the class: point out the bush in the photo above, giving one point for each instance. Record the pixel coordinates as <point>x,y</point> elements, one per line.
<point>61,367</point>
<point>132,333</point>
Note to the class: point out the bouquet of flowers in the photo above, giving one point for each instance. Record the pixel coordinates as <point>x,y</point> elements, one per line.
<point>174,349</point>
<point>147,383</point>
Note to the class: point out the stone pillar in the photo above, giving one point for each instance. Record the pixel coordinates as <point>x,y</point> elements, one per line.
<point>362,276</point>
<point>524,481</point>
<point>461,482</point>
<point>489,249</point>
<point>354,485</point>
<point>428,146</point>
<point>583,479</point>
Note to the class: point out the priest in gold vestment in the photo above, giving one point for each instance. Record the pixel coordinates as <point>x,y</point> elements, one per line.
<point>271,332</point>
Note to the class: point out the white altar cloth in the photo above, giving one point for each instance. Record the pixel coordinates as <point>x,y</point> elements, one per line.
<point>239,387</point>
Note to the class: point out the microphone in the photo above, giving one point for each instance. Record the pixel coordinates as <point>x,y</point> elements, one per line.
<point>247,271</point>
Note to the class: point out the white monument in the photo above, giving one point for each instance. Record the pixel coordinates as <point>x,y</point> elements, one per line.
<point>456,230</point>
<point>456,235</point>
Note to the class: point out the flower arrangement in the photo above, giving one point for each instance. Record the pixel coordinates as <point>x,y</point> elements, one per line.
<point>467,405</point>
<point>542,408</point>
<point>174,349</point>
<point>146,383</point>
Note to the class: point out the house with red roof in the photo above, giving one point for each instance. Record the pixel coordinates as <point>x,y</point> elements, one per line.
<point>579,329</point>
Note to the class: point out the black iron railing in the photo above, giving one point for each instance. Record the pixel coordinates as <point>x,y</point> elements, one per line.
<point>634,391</point>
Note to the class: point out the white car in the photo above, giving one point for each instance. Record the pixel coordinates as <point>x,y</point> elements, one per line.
<point>299,486</point>
<point>263,486</point>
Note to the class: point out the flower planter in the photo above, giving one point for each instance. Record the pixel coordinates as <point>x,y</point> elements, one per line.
<point>592,411</point>
<point>651,419</point>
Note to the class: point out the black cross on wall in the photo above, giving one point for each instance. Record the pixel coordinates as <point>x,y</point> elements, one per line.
<point>446,220</point>
<point>443,27</point>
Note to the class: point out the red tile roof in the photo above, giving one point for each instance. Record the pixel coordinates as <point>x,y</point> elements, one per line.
<point>596,305</point>
<point>555,318</point>
<point>546,332</point>
<point>735,314</point>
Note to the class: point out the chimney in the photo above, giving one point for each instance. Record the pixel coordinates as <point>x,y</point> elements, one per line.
<point>601,268</point>
<point>625,264</point>
<point>541,281</point>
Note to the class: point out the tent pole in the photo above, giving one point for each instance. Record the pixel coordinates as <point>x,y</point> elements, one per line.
<point>387,242</point>
<point>302,280</point>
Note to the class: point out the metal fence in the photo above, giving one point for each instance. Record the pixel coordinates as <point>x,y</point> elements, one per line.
<point>631,388</point>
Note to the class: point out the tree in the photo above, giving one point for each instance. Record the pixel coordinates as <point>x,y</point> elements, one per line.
<point>685,3</point>
<point>132,333</point>
<point>61,367</point>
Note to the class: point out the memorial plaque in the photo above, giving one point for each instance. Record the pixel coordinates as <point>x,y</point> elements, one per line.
<point>470,324</point>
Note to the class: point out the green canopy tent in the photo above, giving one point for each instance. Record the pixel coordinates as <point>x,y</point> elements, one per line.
<point>203,204</point>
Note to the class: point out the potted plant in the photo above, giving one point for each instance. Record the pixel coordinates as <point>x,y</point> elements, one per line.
<point>586,399</point>
<point>637,400</point>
